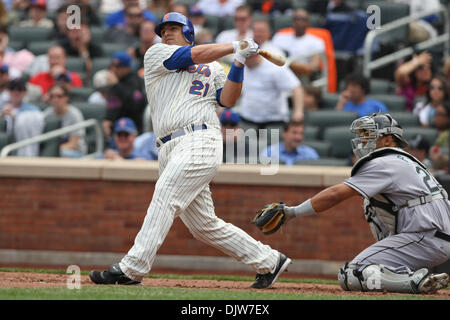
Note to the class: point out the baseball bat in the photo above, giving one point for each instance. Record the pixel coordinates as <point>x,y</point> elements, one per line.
<point>272,57</point>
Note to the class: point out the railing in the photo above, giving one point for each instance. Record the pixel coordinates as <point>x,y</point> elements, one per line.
<point>323,80</point>
<point>59,132</point>
<point>444,38</point>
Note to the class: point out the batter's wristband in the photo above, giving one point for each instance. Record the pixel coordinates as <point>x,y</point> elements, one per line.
<point>236,73</point>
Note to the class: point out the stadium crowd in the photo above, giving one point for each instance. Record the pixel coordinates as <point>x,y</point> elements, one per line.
<point>49,70</point>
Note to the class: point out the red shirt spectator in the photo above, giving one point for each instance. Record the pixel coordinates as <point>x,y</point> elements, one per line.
<point>58,72</point>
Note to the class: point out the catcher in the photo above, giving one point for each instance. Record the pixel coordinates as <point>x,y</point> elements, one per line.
<point>407,209</point>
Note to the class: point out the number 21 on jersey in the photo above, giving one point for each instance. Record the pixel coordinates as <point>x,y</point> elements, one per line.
<point>198,88</point>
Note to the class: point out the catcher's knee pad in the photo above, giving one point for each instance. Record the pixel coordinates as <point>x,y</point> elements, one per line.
<point>376,277</point>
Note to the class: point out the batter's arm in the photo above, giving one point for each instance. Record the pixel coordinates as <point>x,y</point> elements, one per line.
<point>206,53</point>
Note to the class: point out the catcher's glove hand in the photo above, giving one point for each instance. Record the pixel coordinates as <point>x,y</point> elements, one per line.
<point>271,218</point>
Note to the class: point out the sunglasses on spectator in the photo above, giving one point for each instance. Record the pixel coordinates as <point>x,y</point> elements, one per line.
<point>57,95</point>
<point>423,66</point>
<point>436,87</point>
<point>135,15</point>
<point>21,89</point>
<point>123,134</point>
<point>229,124</point>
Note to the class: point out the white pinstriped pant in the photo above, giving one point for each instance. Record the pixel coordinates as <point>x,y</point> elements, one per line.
<point>186,166</point>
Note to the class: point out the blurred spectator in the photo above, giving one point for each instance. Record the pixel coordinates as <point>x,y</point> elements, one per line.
<point>422,29</point>
<point>78,43</point>
<point>353,98</point>
<point>60,23</point>
<point>147,38</point>
<point>312,97</point>
<point>442,124</point>
<point>125,133</point>
<point>24,120</point>
<point>447,69</point>
<point>126,98</point>
<point>264,93</point>
<point>204,36</point>
<point>235,145</point>
<point>103,81</point>
<point>57,73</point>
<point>145,144</point>
<point>180,8</point>
<point>17,61</point>
<point>128,35</point>
<point>197,18</point>
<point>219,8</point>
<point>297,42</point>
<point>262,34</point>
<point>37,13</point>
<point>118,18</point>
<point>21,5</point>
<point>73,144</point>
<point>242,22</point>
<point>412,77</point>
<point>437,93</point>
<point>8,17</point>
<point>159,7</point>
<point>419,147</point>
<point>291,149</point>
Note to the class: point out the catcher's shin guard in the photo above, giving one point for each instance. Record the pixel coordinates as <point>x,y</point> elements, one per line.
<point>377,277</point>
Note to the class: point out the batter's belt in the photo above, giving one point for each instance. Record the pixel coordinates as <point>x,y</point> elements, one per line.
<point>179,133</point>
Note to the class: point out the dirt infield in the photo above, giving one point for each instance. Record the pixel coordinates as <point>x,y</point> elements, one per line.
<point>44,280</point>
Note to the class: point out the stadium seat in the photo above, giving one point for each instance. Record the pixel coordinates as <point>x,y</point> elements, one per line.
<point>323,148</point>
<point>334,162</point>
<point>382,86</point>
<point>50,148</point>
<point>212,23</point>
<point>98,34</point>
<point>110,48</point>
<point>339,138</point>
<point>2,124</point>
<point>329,100</point>
<point>390,11</point>
<point>16,45</point>
<point>330,118</point>
<point>393,102</point>
<point>80,94</point>
<point>91,111</point>
<point>29,34</point>
<point>429,134</point>
<point>311,133</point>
<point>405,119</point>
<point>100,64</point>
<point>3,140</point>
<point>75,64</point>
<point>281,21</point>
<point>40,47</point>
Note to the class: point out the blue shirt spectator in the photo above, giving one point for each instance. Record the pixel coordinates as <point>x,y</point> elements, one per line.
<point>353,98</point>
<point>291,149</point>
<point>145,144</point>
<point>366,108</point>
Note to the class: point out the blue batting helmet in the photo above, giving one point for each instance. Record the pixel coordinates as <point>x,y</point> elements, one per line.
<point>188,28</point>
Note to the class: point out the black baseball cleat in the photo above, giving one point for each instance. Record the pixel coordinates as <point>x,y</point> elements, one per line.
<point>111,276</point>
<point>267,280</point>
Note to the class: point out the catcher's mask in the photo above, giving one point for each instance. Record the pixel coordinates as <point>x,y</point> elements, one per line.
<point>369,128</point>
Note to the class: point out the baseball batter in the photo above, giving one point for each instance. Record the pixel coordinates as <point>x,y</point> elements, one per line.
<point>408,212</point>
<point>184,86</point>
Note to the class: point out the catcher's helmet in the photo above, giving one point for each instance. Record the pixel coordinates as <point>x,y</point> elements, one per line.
<point>188,28</point>
<point>369,128</point>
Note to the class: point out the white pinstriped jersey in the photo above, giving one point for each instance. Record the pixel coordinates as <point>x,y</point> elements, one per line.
<point>189,95</point>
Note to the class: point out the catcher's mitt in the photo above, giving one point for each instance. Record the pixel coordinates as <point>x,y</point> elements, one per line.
<point>271,218</point>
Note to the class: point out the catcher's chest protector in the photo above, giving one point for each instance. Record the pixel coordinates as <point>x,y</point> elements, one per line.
<point>379,211</point>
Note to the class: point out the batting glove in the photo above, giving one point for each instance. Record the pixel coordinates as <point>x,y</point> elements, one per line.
<point>244,49</point>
